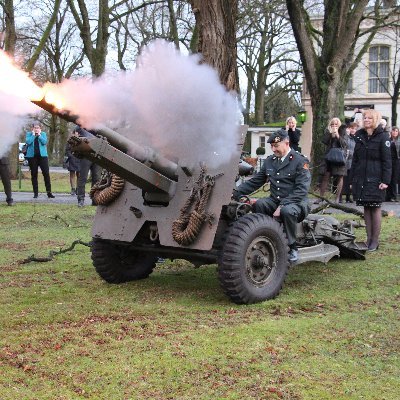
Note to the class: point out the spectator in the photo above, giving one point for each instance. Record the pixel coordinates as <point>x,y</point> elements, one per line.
<point>5,178</point>
<point>370,173</point>
<point>36,154</point>
<point>350,143</point>
<point>73,165</point>
<point>334,137</point>
<point>358,117</point>
<point>293,132</point>
<point>391,193</point>
<point>383,124</point>
<point>85,167</point>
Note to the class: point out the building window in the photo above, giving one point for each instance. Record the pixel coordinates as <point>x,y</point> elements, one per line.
<point>262,141</point>
<point>378,81</point>
<point>349,88</point>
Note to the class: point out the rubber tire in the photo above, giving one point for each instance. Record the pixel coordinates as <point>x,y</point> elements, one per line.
<point>232,275</point>
<point>117,264</point>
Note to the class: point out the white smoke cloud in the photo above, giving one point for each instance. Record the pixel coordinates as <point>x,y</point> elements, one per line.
<point>13,112</point>
<point>169,102</point>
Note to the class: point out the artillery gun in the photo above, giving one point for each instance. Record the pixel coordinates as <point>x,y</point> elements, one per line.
<point>151,207</point>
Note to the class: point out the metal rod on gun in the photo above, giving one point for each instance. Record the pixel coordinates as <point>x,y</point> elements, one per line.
<point>143,154</point>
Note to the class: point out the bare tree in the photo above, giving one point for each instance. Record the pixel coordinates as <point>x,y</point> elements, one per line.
<point>267,52</point>
<point>95,44</point>
<point>328,53</point>
<point>135,30</point>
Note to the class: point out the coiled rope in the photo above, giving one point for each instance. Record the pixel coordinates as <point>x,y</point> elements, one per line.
<point>187,227</point>
<point>107,189</point>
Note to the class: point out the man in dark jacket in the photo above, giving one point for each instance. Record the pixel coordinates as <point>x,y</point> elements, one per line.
<point>5,178</point>
<point>289,177</point>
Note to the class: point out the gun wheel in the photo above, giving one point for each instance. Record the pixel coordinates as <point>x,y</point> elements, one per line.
<point>254,259</point>
<point>117,264</point>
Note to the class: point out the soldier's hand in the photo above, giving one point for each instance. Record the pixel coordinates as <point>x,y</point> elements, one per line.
<point>277,212</point>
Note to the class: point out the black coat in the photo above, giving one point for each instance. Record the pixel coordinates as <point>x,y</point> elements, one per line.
<point>372,165</point>
<point>294,138</point>
<point>74,163</point>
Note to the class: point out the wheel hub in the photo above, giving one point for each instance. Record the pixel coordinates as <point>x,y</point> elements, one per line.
<point>260,260</point>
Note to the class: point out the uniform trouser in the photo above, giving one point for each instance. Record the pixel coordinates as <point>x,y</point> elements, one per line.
<point>34,164</point>
<point>86,166</point>
<point>5,178</point>
<point>291,214</point>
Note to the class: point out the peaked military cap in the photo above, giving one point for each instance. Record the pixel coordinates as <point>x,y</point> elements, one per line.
<point>278,136</point>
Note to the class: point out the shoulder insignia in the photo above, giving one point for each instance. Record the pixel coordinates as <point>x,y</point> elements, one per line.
<point>306,165</point>
<point>387,143</point>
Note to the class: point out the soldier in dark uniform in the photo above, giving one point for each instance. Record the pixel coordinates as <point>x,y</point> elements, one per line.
<point>289,177</point>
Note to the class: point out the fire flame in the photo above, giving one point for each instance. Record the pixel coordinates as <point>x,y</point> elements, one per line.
<point>51,97</point>
<point>15,82</point>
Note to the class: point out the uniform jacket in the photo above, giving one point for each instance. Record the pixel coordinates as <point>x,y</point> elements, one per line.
<point>30,138</point>
<point>289,180</point>
<point>371,165</point>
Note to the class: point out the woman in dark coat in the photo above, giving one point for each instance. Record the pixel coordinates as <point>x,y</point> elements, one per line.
<point>293,132</point>
<point>370,173</point>
<point>335,137</point>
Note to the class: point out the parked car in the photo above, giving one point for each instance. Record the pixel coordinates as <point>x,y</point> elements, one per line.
<point>21,155</point>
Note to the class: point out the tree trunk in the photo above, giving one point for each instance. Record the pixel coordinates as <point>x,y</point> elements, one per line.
<point>173,29</point>
<point>10,33</point>
<point>216,20</point>
<point>246,112</point>
<point>261,77</point>
<point>395,100</point>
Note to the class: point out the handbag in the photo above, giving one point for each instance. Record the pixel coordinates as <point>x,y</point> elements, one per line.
<point>66,162</point>
<point>336,157</point>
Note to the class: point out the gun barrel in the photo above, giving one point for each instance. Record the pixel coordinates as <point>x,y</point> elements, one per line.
<point>144,154</point>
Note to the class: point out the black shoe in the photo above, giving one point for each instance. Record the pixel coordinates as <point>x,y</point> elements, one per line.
<point>50,195</point>
<point>35,196</point>
<point>10,202</point>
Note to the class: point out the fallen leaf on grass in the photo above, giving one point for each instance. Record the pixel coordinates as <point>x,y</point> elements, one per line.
<point>276,391</point>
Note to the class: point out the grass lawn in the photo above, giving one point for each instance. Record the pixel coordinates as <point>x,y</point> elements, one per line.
<point>333,333</point>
